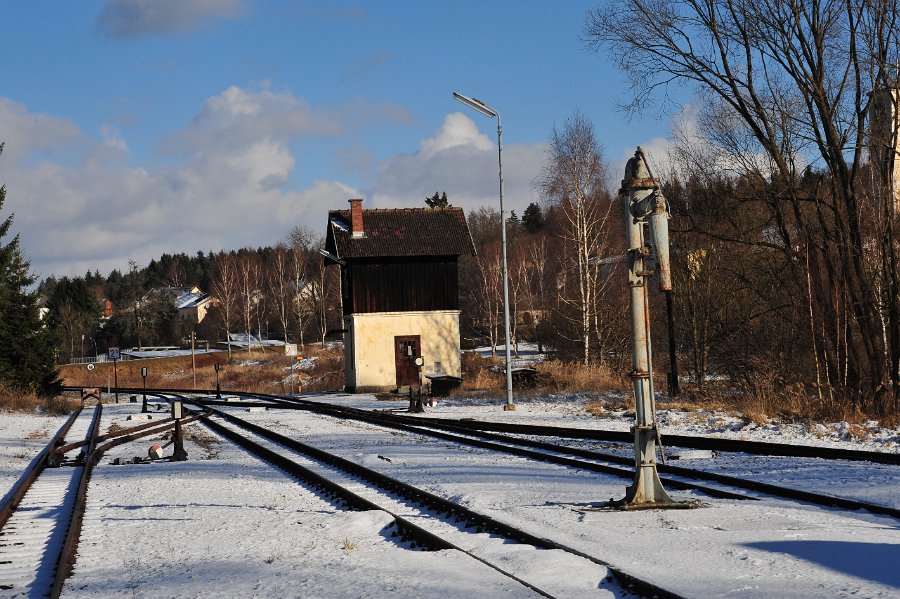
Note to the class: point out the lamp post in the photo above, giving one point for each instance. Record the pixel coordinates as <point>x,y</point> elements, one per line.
<point>487,111</point>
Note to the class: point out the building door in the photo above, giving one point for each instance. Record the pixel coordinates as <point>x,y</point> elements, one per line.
<point>406,350</point>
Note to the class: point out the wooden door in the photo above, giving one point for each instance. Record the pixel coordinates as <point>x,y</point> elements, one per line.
<point>406,350</point>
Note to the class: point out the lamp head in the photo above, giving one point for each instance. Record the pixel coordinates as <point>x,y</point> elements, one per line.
<point>476,104</point>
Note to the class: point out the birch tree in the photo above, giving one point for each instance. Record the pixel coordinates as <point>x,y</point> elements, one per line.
<point>304,252</point>
<point>281,291</point>
<point>226,292</point>
<point>489,293</point>
<point>574,177</point>
<point>249,291</point>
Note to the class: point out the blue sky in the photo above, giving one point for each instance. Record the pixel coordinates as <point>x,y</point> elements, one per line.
<point>137,127</point>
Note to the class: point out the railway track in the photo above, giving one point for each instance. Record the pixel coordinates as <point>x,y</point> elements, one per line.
<point>41,520</point>
<point>431,522</point>
<point>676,477</point>
<point>683,441</point>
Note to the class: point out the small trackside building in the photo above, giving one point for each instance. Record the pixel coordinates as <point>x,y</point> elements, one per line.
<point>400,292</point>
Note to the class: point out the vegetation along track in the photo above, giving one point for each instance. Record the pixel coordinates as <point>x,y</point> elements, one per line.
<point>40,519</point>
<point>599,462</point>
<point>437,512</point>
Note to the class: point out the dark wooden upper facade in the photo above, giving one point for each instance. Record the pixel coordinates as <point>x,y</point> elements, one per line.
<point>400,260</point>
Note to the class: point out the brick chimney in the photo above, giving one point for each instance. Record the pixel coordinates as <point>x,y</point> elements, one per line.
<point>356,218</point>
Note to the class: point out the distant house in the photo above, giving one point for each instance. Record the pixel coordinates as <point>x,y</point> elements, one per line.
<point>192,305</point>
<point>43,310</point>
<point>400,291</point>
<point>106,306</point>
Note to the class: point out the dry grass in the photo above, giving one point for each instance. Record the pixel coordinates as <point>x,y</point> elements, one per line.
<point>261,371</point>
<point>574,376</point>
<point>480,373</point>
<point>485,374</point>
<point>19,401</point>
<point>770,399</point>
<point>204,439</point>
<point>40,433</point>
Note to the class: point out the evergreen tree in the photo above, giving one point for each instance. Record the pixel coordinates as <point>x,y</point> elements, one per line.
<point>438,200</point>
<point>26,348</point>
<point>533,218</point>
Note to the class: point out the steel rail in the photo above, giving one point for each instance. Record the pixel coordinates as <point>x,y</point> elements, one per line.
<point>338,494</point>
<point>687,442</point>
<point>439,505</point>
<point>400,422</point>
<point>66,560</point>
<point>460,427</point>
<point>822,499</point>
<point>684,441</point>
<point>69,447</point>
<point>34,469</point>
<point>388,421</point>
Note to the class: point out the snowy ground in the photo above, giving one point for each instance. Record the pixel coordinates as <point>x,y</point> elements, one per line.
<point>224,524</point>
<point>22,437</point>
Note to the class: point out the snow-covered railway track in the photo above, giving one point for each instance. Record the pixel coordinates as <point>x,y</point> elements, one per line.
<point>718,444</point>
<point>433,522</point>
<point>43,515</point>
<point>676,477</point>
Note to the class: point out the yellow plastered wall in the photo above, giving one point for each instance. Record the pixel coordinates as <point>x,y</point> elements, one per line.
<point>369,346</point>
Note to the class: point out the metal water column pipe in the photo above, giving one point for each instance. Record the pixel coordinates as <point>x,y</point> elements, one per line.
<point>643,205</point>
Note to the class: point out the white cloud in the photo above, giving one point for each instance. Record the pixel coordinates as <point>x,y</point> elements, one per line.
<point>230,184</point>
<point>230,188</point>
<point>457,130</point>
<point>230,119</point>
<point>462,161</point>
<point>24,133</point>
<point>125,19</point>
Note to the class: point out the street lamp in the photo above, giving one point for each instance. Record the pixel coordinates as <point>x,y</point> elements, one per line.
<point>491,113</point>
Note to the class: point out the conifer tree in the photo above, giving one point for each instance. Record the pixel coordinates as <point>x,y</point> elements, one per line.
<point>26,348</point>
<point>438,200</point>
<point>533,218</point>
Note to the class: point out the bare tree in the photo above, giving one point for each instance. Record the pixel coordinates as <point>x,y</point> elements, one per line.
<point>575,177</point>
<point>318,290</point>
<point>248,268</point>
<point>539,288</point>
<point>489,294</point>
<point>280,288</point>
<point>304,246</point>
<point>789,83</point>
<point>226,292</point>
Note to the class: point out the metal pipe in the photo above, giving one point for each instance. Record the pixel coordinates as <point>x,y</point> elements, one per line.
<point>640,200</point>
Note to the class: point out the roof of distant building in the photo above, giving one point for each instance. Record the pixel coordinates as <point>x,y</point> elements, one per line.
<point>191,300</point>
<point>400,232</point>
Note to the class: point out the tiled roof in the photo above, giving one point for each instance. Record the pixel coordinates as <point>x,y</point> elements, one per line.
<point>396,232</point>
